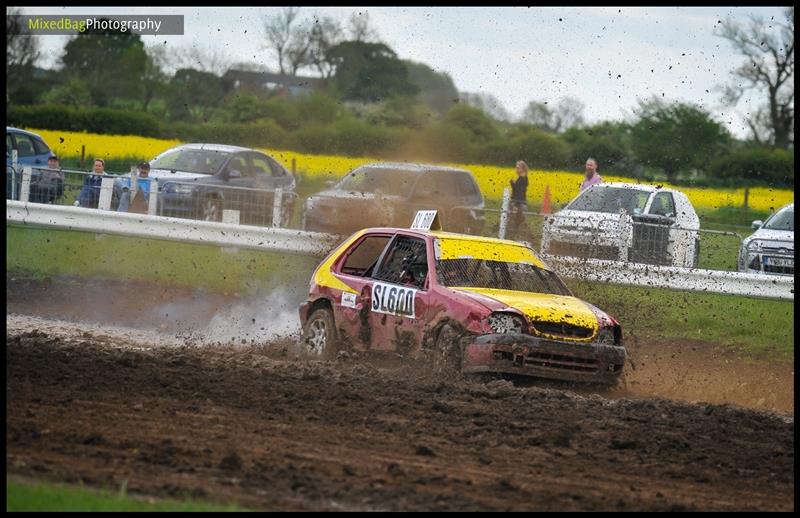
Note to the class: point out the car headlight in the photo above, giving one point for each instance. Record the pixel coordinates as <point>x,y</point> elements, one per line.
<point>606,336</point>
<point>506,323</point>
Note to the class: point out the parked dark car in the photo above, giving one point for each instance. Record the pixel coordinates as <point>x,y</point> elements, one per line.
<point>390,194</point>
<point>46,184</point>
<point>199,181</point>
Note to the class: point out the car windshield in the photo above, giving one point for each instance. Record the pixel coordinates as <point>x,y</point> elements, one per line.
<point>611,199</point>
<point>485,273</point>
<point>782,220</point>
<point>393,182</point>
<point>201,161</point>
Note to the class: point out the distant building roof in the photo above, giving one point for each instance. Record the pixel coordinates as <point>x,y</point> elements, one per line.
<point>262,78</point>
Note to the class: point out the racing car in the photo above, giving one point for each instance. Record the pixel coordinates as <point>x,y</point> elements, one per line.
<point>463,303</point>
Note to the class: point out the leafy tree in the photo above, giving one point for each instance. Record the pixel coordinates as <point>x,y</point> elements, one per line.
<point>436,89</point>
<point>111,63</point>
<point>369,71</point>
<point>676,137</point>
<point>769,68</point>
<point>754,165</point>
<point>74,92</point>
<point>194,94</point>
<point>607,142</point>
<point>479,126</point>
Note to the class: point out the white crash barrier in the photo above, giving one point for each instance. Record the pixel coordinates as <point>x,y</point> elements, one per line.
<point>673,277</point>
<point>315,243</point>
<point>173,229</point>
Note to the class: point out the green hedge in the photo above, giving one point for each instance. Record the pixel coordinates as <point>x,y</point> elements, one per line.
<point>93,120</point>
<point>757,166</point>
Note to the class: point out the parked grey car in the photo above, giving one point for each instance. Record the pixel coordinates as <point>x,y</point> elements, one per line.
<point>770,249</point>
<point>199,181</point>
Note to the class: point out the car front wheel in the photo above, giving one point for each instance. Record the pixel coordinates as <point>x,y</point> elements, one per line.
<point>447,351</point>
<point>319,334</point>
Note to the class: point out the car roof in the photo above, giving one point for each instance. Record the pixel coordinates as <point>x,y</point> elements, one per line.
<point>214,147</point>
<point>412,167</point>
<point>444,235</point>
<point>24,132</point>
<point>635,186</point>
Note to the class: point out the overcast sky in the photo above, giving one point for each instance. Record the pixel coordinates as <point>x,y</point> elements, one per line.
<point>606,57</point>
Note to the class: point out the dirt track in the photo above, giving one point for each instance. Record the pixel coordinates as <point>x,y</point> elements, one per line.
<point>272,433</point>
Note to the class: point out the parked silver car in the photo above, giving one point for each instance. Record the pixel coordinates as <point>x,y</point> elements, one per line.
<point>770,249</point>
<point>626,222</point>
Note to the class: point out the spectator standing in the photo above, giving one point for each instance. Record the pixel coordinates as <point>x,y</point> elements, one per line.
<point>142,196</point>
<point>592,177</point>
<point>52,162</point>
<point>519,201</point>
<point>90,191</point>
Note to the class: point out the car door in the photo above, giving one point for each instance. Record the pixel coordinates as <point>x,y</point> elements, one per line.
<point>399,295</point>
<point>266,176</point>
<point>355,268</point>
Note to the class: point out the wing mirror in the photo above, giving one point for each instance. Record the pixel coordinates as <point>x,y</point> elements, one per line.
<point>757,224</point>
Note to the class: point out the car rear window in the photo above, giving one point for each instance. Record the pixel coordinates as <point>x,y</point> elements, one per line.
<point>201,161</point>
<point>394,182</point>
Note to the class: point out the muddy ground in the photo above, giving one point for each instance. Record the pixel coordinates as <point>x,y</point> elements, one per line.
<point>111,406</point>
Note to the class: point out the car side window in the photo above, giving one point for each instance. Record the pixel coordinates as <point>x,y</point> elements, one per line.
<point>40,147</point>
<point>25,145</point>
<point>663,205</point>
<point>466,185</point>
<point>237,163</point>
<point>277,169</point>
<point>361,260</point>
<point>405,262</point>
<point>9,144</point>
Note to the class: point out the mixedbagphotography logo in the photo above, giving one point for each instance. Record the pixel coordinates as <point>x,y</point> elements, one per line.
<point>98,23</point>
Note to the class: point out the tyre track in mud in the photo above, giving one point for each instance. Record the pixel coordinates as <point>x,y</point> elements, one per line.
<point>247,423</point>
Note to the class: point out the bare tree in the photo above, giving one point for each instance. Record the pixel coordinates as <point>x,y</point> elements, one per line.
<point>278,30</point>
<point>22,50</point>
<point>213,60</point>
<point>567,113</point>
<point>325,34</point>
<point>487,103</point>
<point>769,67</point>
<point>360,29</point>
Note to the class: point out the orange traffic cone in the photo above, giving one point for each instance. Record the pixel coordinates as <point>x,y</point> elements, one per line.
<point>546,200</point>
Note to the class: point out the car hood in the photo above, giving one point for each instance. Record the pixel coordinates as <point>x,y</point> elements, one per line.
<point>537,307</point>
<point>583,218</point>
<point>771,239</point>
<point>166,174</point>
<point>338,195</point>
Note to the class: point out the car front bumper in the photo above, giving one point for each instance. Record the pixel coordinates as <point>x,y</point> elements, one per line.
<point>527,355</point>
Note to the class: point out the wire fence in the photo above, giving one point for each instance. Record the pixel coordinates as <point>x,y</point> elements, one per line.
<point>180,198</point>
<point>646,239</point>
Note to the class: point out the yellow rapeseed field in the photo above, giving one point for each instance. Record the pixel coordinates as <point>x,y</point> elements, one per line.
<point>491,179</point>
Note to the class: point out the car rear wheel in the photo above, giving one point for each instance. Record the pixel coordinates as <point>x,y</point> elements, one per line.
<point>319,334</point>
<point>212,209</point>
<point>447,351</point>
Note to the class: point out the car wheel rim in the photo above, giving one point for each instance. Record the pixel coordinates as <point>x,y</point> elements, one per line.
<point>317,337</point>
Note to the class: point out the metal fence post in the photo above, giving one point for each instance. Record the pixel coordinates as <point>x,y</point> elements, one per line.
<point>504,213</point>
<point>25,188</point>
<point>276,207</point>
<point>152,205</point>
<point>14,164</point>
<point>106,193</point>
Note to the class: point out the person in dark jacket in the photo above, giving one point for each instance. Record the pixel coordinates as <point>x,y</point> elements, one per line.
<point>518,227</point>
<point>90,192</point>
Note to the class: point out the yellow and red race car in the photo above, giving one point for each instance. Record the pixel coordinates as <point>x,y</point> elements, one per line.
<point>470,304</point>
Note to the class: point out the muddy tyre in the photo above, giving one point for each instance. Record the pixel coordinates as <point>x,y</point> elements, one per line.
<point>447,352</point>
<point>319,334</point>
